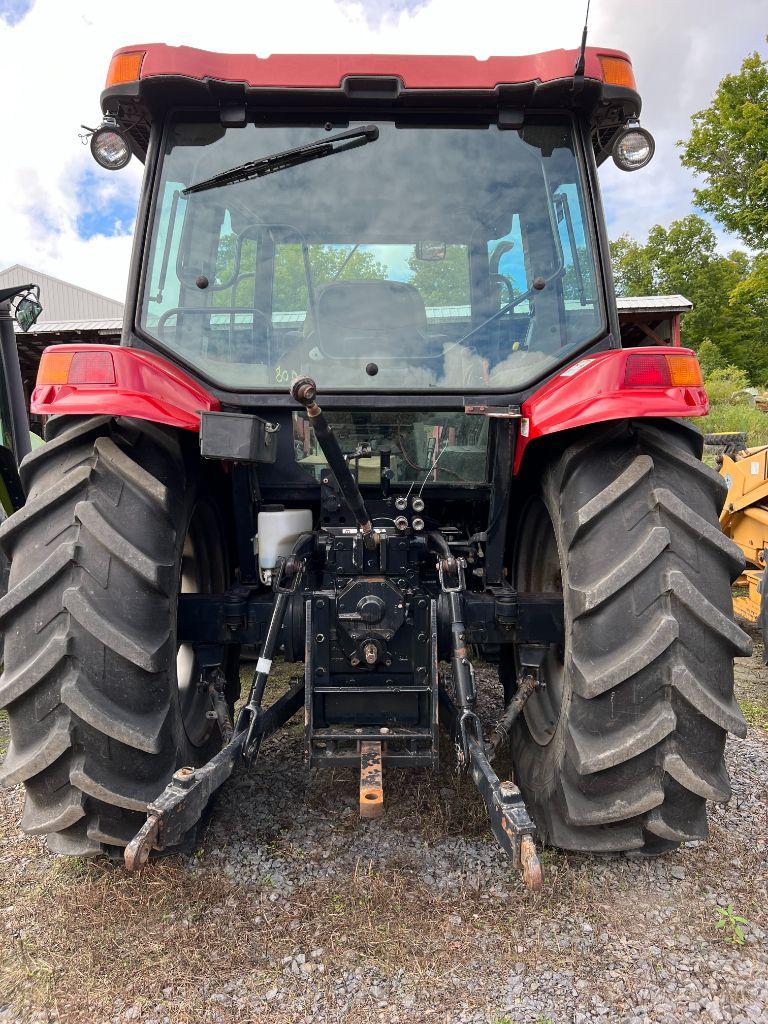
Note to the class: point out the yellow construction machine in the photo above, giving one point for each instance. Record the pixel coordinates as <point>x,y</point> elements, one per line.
<point>744,519</point>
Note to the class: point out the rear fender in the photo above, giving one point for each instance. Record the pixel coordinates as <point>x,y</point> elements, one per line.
<point>594,389</point>
<point>132,383</point>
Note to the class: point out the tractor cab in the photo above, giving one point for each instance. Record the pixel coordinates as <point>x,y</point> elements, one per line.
<point>430,226</point>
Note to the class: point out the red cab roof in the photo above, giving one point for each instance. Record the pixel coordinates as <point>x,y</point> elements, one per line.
<point>328,71</point>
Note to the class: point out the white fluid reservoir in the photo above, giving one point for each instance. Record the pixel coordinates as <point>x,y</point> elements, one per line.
<point>278,531</point>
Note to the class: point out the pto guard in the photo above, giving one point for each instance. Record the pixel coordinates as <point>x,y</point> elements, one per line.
<point>130,383</point>
<point>595,389</point>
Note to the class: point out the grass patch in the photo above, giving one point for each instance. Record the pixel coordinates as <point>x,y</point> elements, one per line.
<point>755,711</point>
<point>736,418</point>
<point>3,733</point>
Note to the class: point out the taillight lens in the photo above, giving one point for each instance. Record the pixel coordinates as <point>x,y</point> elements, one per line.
<point>618,71</point>
<point>54,367</point>
<point>125,67</point>
<point>92,368</point>
<point>659,370</point>
<point>647,371</point>
<point>76,368</point>
<point>685,371</point>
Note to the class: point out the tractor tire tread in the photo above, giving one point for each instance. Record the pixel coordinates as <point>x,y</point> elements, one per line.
<point>638,749</point>
<point>87,680</point>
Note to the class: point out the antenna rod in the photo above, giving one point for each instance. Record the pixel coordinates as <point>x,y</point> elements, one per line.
<point>578,71</point>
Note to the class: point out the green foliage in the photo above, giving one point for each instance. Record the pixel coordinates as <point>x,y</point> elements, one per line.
<point>728,414</point>
<point>728,148</point>
<point>738,419</point>
<point>723,382</point>
<point>710,357</point>
<point>443,282</point>
<point>731,925</point>
<point>755,711</point>
<point>327,263</point>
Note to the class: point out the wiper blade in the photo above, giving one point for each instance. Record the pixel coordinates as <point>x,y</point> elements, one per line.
<point>289,158</point>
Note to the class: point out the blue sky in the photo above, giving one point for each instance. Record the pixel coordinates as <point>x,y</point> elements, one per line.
<point>64,215</point>
<point>12,11</point>
<point>100,212</point>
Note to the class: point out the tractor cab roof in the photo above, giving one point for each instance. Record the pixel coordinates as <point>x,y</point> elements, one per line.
<point>146,80</point>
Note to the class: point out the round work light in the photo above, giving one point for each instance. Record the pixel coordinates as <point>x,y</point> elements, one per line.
<point>109,147</point>
<point>633,148</point>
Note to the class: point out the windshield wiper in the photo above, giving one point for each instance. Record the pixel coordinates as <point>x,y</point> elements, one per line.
<point>289,158</point>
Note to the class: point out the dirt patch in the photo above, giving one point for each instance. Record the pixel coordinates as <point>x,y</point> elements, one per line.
<point>293,909</point>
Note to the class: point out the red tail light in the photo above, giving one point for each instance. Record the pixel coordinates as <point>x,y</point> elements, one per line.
<point>647,371</point>
<point>92,368</point>
<point>662,370</point>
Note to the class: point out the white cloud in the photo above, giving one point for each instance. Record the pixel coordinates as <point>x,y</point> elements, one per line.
<point>55,59</point>
<point>680,50</point>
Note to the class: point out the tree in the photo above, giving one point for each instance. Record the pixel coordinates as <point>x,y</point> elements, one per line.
<point>710,358</point>
<point>728,148</point>
<point>442,282</point>
<point>327,262</point>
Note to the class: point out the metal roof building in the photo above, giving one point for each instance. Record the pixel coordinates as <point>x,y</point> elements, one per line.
<point>62,300</point>
<point>651,319</point>
<point>70,314</point>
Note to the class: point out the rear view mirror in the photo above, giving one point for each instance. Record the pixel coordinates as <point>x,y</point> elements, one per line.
<point>27,311</point>
<point>430,251</point>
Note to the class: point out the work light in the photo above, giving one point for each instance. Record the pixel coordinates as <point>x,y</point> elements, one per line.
<point>109,146</point>
<point>634,147</point>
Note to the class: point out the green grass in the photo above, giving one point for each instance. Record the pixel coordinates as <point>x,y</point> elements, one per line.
<point>755,711</point>
<point>741,418</point>
<point>3,733</point>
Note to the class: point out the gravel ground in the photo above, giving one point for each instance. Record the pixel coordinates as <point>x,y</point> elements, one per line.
<point>295,910</point>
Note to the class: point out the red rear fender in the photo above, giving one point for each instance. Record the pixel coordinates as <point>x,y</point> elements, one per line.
<point>109,380</point>
<point>614,385</point>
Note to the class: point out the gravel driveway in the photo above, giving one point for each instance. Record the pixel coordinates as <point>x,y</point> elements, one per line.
<point>293,909</point>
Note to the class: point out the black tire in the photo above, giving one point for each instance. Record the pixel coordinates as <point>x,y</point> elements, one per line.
<point>5,569</point>
<point>624,746</point>
<point>90,682</point>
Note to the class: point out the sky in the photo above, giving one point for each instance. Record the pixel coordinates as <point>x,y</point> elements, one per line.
<point>64,215</point>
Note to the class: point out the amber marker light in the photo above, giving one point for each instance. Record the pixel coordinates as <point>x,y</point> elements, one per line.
<point>618,71</point>
<point>684,371</point>
<point>124,67</point>
<point>54,367</point>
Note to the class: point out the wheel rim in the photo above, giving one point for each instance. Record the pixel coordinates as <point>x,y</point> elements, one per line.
<point>200,573</point>
<point>538,570</point>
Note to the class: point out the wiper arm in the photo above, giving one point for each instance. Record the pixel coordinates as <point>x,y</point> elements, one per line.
<point>289,158</point>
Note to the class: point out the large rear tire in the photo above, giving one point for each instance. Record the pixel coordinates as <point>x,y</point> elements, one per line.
<point>624,746</point>
<point>115,524</point>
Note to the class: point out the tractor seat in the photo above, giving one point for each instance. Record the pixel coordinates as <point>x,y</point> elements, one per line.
<point>369,319</point>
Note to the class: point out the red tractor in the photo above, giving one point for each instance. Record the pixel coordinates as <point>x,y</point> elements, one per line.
<point>491,474</point>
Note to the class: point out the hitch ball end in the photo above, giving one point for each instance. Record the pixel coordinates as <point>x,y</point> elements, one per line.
<point>304,390</point>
